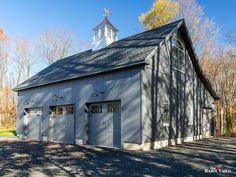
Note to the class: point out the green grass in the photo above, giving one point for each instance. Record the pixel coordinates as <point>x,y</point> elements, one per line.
<point>7,132</point>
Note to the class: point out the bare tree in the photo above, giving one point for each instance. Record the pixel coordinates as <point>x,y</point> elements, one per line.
<point>85,45</point>
<point>203,31</point>
<point>221,70</point>
<point>56,44</point>
<point>4,41</point>
<point>24,59</point>
<point>7,106</point>
<point>231,37</point>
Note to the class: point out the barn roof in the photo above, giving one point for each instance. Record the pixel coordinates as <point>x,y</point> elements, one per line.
<point>130,51</point>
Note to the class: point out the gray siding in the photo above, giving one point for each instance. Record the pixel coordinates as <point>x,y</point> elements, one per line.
<point>183,92</point>
<point>123,85</point>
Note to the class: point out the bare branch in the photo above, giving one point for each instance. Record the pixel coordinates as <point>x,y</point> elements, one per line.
<point>56,44</point>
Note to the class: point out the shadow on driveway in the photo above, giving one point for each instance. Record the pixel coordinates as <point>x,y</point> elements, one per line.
<point>29,158</point>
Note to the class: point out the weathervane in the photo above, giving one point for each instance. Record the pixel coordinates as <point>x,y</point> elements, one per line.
<point>106,12</point>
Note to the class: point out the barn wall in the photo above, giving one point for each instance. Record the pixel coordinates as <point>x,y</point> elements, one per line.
<point>183,93</point>
<point>121,85</point>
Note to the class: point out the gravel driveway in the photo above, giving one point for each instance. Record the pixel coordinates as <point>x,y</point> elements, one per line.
<point>29,158</point>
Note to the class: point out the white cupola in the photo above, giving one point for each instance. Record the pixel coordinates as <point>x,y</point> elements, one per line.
<point>104,34</point>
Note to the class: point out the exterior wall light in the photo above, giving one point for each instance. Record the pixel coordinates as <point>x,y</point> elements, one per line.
<point>96,92</point>
<point>55,97</point>
<point>28,102</point>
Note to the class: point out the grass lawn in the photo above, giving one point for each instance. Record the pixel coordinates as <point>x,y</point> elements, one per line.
<point>7,132</point>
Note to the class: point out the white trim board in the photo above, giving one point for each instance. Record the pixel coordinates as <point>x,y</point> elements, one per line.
<point>160,144</point>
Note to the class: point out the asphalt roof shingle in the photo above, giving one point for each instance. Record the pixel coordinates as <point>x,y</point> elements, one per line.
<point>129,51</point>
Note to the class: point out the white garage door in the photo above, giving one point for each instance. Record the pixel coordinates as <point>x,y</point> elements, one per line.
<point>105,124</point>
<point>32,121</point>
<point>61,122</point>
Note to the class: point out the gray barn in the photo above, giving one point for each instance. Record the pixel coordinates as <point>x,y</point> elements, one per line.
<point>145,91</point>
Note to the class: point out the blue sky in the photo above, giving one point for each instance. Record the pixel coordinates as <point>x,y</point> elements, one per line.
<point>31,18</point>
<point>222,12</point>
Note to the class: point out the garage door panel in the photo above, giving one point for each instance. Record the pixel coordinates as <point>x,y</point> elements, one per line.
<point>108,123</point>
<point>97,130</point>
<point>117,129</point>
<point>117,122</point>
<point>117,139</point>
<point>62,123</point>
<point>97,140</point>
<point>71,125</point>
<point>97,135</point>
<point>60,129</point>
<point>104,124</point>
<point>33,117</point>
<point>97,124</point>
<point>33,127</point>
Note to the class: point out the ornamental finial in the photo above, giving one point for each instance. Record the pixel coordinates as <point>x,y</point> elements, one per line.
<point>106,12</point>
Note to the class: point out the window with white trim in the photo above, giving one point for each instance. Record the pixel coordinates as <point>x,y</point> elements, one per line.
<point>178,59</point>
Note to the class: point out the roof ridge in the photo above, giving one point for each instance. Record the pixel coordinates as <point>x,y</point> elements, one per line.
<point>151,29</point>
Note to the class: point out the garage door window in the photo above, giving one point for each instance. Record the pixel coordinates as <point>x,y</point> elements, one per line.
<point>63,110</point>
<point>113,107</point>
<point>59,110</point>
<point>96,108</point>
<point>34,111</point>
<point>69,110</point>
